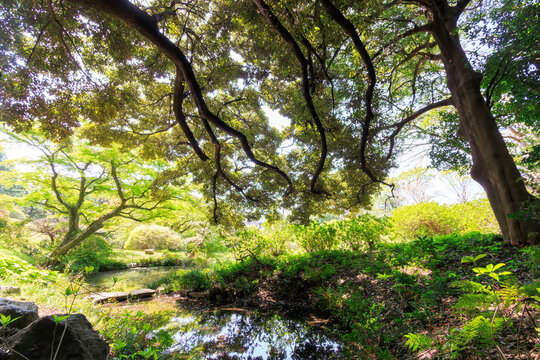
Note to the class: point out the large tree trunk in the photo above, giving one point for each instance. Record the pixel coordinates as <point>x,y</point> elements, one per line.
<point>493,166</point>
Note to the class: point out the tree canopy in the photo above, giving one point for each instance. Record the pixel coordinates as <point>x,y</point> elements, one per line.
<point>187,81</point>
<point>84,188</point>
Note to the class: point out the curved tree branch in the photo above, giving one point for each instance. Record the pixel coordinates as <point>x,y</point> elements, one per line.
<point>399,125</point>
<point>178,100</point>
<point>350,30</point>
<point>306,67</point>
<point>146,25</point>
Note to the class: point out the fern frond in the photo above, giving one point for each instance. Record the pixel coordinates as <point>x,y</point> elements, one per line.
<point>469,286</point>
<point>418,342</point>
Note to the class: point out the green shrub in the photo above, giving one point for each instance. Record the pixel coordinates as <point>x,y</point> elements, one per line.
<point>429,219</point>
<point>152,237</point>
<point>272,240</point>
<point>91,253</point>
<point>214,241</point>
<point>318,237</point>
<point>279,238</point>
<point>248,241</point>
<point>423,219</point>
<point>363,230</point>
<point>194,280</point>
<point>475,216</point>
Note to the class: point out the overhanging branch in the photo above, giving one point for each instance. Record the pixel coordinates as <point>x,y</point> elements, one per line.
<point>305,66</point>
<point>350,30</point>
<point>146,25</point>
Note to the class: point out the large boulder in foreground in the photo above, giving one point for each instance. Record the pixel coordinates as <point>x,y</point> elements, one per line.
<point>27,312</point>
<point>80,340</point>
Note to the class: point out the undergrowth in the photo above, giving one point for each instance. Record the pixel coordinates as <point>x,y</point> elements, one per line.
<point>401,299</point>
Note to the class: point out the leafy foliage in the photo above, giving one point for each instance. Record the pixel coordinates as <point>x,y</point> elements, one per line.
<point>318,237</point>
<point>93,252</point>
<point>152,237</point>
<point>418,342</point>
<point>428,219</point>
<point>362,231</point>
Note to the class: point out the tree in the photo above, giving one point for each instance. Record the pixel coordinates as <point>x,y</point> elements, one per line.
<point>87,187</point>
<point>412,187</point>
<point>511,76</point>
<point>350,76</point>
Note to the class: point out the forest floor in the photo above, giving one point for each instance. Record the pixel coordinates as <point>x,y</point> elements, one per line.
<point>417,301</point>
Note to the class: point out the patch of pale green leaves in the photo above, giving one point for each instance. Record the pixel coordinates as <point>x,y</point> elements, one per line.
<point>491,270</point>
<point>418,342</point>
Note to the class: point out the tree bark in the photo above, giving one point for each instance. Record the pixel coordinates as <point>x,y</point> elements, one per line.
<point>493,166</point>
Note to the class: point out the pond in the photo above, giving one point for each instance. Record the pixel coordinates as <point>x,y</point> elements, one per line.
<point>248,336</point>
<point>224,333</point>
<point>128,279</point>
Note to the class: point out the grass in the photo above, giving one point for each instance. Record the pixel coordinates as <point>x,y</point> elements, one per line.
<point>395,301</point>
<point>386,299</point>
<point>131,335</point>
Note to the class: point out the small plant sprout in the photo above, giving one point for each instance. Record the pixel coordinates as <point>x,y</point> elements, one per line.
<point>59,318</point>
<point>473,259</point>
<point>490,270</point>
<point>6,320</point>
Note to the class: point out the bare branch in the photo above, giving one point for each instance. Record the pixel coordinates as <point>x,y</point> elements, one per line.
<point>37,41</point>
<point>428,28</point>
<point>217,160</point>
<point>350,30</point>
<point>399,125</point>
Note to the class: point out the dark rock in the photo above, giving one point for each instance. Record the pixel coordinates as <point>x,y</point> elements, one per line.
<point>79,341</point>
<point>27,311</point>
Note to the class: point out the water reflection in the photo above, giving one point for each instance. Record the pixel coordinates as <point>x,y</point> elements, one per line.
<point>129,279</point>
<point>249,336</point>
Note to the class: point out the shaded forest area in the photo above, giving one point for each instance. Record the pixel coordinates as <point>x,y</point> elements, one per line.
<point>255,151</point>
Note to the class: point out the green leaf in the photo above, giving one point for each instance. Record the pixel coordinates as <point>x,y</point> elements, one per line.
<point>478,257</point>
<point>59,318</point>
<point>6,319</point>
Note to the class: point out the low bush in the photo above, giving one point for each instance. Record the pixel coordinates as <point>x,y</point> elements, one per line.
<point>153,237</point>
<point>365,230</point>
<point>475,216</point>
<point>91,253</point>
<point>429,219</point>
<point>423,219</point>
<point>318,237</point>
<point>190,280</point>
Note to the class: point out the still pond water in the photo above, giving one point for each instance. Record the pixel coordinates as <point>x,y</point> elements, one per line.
<point>128,279</point>
<point>225,334</point>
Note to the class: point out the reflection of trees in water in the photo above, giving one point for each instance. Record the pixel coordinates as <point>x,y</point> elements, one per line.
<point>230,335</point>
